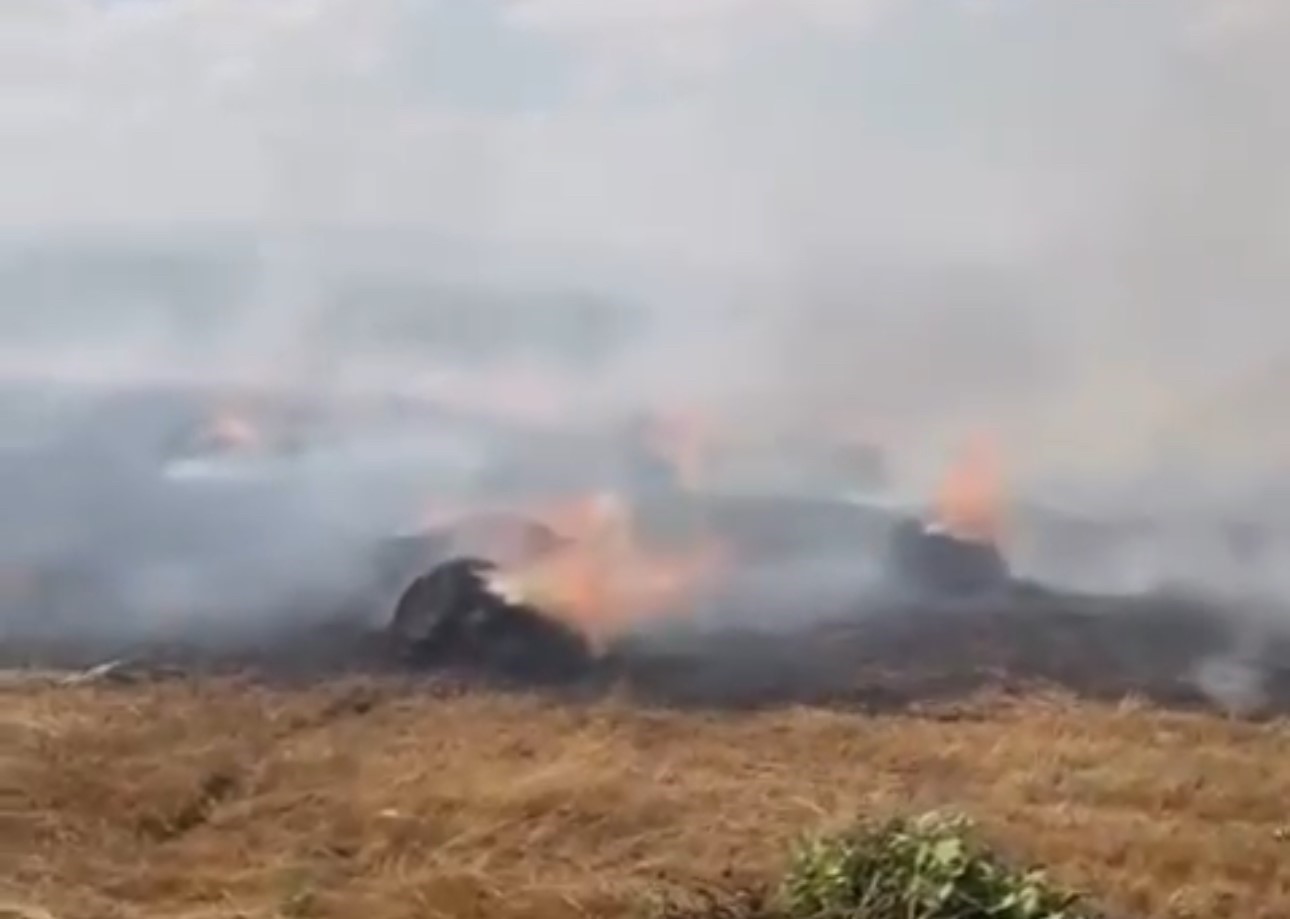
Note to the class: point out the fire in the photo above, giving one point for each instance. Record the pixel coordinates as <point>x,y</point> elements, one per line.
<point>969,502</point>
<point>594,573</point>
<point>602,580</point>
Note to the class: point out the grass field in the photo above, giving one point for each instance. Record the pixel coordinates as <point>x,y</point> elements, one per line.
<point>219,798</point>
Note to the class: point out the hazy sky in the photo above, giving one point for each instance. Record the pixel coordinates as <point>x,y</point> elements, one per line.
<point>680,125</point>
<point>1073,212</point>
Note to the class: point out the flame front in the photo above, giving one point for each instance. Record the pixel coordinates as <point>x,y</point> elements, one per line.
<point>969,502</point>
<point>602,581</point>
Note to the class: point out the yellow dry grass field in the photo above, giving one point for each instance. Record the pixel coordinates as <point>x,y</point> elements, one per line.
<point>220,798</point>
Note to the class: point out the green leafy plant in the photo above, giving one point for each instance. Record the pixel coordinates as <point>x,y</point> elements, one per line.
<point>927,867</point>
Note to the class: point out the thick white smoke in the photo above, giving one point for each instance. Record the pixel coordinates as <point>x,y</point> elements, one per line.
<point>1066,222</point>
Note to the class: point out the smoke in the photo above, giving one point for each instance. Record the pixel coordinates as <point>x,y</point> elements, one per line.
<point>1010,209</point>
<point>1065,223</point>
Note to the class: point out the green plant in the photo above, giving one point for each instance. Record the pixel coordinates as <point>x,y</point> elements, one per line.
<point>927,867</point>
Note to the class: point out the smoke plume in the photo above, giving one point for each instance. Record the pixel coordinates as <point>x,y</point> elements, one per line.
<point>1064,223</point>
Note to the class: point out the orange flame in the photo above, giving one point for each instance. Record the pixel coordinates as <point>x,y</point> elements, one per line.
<point>602,581</point>
<point>969,503</point>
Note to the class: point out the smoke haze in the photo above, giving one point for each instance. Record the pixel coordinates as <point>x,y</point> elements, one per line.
<point>1066,223</point>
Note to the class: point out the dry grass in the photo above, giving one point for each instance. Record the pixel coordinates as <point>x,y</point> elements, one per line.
<point>205,799</point>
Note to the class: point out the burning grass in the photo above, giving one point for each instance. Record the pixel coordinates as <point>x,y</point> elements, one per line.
<point>204,798</point>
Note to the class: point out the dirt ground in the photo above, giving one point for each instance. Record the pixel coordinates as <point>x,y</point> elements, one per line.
<point>214,798</point>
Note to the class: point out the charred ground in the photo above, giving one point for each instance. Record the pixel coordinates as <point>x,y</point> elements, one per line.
<point>883,651</point>
<point>1173,651</point>
<point>797,630</point>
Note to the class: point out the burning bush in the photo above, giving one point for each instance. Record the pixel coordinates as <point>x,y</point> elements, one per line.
<point>926,867</point>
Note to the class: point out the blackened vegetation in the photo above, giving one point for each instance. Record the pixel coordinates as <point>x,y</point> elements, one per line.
<point>450,617</point>
<point>901,654</point>
<point>934,565</point>
<point>951,621</point>
<point>948,620</point>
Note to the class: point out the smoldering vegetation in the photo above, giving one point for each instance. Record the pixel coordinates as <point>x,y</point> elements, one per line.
<point>121,546</point>
<point>443,278</point>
